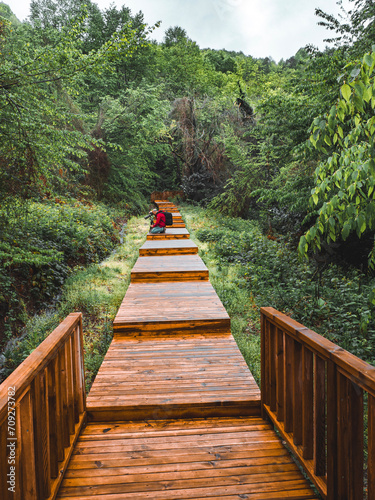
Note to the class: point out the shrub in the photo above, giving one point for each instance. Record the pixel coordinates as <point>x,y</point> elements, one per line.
<point>39,247</point>
<point>330,299</point>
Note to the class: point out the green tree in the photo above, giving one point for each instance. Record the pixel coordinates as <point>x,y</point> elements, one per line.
<point>135,125</point>
<point>43,137</point>
<point>354,29</point>
<point>344,192</point>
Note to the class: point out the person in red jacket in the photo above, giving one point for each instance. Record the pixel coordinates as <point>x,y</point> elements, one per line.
<point>159,224</point>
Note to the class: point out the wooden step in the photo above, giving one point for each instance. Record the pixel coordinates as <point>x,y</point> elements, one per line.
<point>188,306</point>
<point>169,268</point>
<point>165,204</point>
<point>170,233</point>
<point>157,202</point>
<point>167,208</point>
<point>200,459</point>
<point>173,376</point>
<point>168,247</point>
<point>177,224</point>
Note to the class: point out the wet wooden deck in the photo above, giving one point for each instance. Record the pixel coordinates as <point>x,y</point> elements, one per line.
<point>174,412</point>
<point>168,247</point>
<point>223,458</point>
<point>171,307</point>
<point>182,376</point>
<point>170,233</point>
<point>169,268</point>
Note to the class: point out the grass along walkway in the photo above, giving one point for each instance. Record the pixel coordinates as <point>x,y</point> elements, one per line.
<point>97,292</point>
<point>230,287</point>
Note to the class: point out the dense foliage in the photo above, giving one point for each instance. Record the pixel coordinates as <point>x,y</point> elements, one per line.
<point>250,270</point>
<point>94,113</point>
<point>40,246</point>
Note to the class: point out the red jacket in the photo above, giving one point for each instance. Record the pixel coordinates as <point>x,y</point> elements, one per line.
<point>160,220</point>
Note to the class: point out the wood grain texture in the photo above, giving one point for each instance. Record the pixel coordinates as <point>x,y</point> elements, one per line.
<point>174,410</point>
<point>167,377</point>
<point>44,405</point>
<point>169,268</point>
<point>168,247</point>
<point>191,306</point>
<point>185,459</point>
<point>170,233</point>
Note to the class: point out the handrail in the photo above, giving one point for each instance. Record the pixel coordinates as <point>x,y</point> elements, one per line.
<point>313,392</point>
<point>42,409</point>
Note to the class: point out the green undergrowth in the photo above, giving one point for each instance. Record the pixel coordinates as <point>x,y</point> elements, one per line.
<point>249,270</point>
<point>41,243</point>
<point>97,292</point>
<point>227,281</point>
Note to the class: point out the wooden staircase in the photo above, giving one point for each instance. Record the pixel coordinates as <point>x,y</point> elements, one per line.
<point>174,412</point>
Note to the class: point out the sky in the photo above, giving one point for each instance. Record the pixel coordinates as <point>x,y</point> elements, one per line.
<point>260,28</point>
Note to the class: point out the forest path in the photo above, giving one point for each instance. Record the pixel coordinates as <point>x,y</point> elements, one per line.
<point>174,411</point>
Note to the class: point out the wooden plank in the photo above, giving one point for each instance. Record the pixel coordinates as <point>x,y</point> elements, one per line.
<point>288,386</point>
<point>332,457</point>
<point>60,442</point>
<point>192,306</point>
<point>280,375</point>
<point>175,375</point>
<point>319,416</point>
<point>371,447</point>
<point>70,385</point>
<point>307,404</point>
<point>169,268</point>
<point>273,366</point>
<point>168,247</point>
<point>170,233</point>
<point>242,457</point>
<point>297,397</point>
<point>343,446</point>
<point>257,464</point>
<point>54,438</point>
<point>263,365</point>
<point>42,435</point>
<point>26,448</point>
<point>64,395</point>
<point>178,224</point>
<point>356,440</point>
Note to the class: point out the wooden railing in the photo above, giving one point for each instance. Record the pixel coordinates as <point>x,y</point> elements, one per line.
<point>42,409</point>
<point>314,391</point>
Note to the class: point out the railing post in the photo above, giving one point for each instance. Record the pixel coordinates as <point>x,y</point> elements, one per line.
<point>356,441</point>
<point>27,487</point>
<point>371,447</point>
<point>263,367</point>
<point>297,396</point>
<point>280,382</point>
<point>288,387</point>
<point>41,434</point>
<point>307,403</point>
<point>319,428</point>
<point>331,430</point>
<point>272,366</point>
<point>53,424</point>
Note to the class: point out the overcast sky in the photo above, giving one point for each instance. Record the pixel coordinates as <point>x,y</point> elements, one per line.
<point>260,28</point>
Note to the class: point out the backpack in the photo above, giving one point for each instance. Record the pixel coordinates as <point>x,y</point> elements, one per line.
<point>168,218</point>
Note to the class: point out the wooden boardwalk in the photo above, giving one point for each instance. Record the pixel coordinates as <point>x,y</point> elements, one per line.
<point>169,268</point>
<point>174,412</point>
